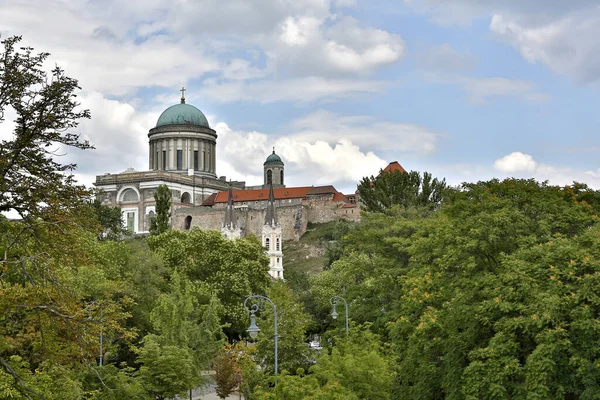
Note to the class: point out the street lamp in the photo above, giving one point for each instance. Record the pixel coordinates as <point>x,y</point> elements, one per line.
<point>254,329</point>
<point>334,314</point>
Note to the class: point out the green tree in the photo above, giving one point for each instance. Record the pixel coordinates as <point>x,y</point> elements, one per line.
<point>227,370</point>
<point>300,387</point>
<point>359,363</point>
<point>378,194</point>
<point>161,222</point>
<point>292,322</point>
<point>229,270</point>
<point>188,334</point>
<point>31,180</point>
<point>110,221</point>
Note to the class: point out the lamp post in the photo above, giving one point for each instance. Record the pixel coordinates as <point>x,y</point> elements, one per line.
<point>334,314</point>
<point>254,329</point>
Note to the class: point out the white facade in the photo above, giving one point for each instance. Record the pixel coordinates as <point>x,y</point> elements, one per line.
<point>272,241</point>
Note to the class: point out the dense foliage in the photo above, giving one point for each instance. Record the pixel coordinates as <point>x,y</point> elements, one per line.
<point>380,193</point>
<point>160,223</point>
<point>493,296</point>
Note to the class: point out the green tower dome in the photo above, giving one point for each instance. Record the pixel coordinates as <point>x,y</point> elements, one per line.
<point>182,114</point>
<point>273,159</point>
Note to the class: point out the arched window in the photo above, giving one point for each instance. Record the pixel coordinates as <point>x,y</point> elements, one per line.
<point>188,223</point>
<point>186,198</point>
<point>267,243</point>
<point>129,195</point>
<point>269,177</point>
<point>281,177</point>
<point>277,244</point>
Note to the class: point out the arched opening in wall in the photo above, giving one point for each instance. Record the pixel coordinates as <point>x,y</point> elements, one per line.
<point>269,177</point>
<point>188,223</point>
<point>129,195</point>
<point>277,244</point>
<point>281,177</point>
<point>267,243</point>
<point>186,198</point>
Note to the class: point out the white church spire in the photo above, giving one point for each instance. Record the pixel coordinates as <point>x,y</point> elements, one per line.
<point>272,238</point>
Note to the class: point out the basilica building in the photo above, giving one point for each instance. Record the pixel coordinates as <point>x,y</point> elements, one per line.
<point>182,154</point>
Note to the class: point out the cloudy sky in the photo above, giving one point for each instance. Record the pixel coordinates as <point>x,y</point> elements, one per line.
<point>465,89</point>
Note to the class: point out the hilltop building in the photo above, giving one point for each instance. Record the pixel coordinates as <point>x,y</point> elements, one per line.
<point>182,153</point>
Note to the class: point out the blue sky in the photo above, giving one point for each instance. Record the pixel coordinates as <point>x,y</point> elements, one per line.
<point>465,89</point>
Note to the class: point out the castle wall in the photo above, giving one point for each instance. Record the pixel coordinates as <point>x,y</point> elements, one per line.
<point>292,219</point>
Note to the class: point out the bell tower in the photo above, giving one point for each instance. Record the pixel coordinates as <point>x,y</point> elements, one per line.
<point>273,171</point>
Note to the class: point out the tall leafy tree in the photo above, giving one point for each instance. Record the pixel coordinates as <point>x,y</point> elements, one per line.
<point>46,108</point>
<point>292,322</point>
<point>46,336</point>
<point>110,221</point>
<point>188,334</point>
<point>230,270</point>
<point>378,194</point>
<point>161,222</point>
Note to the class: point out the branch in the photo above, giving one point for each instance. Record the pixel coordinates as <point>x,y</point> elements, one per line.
<point>9,370</point>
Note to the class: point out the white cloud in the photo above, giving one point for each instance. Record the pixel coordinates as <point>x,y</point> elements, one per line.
<point>309,45</point>
<point>516,162</point>
<point>300,89</point>
<point>365,132</point>
<point>119,133</point>
<point>558,33</point>
<point>241,155</point>
<point>567,45</point>
<point>523,165</point>
<point>92,50</point>
<point>480,90</point>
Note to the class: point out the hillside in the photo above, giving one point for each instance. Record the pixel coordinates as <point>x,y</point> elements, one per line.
<point>315,250</point>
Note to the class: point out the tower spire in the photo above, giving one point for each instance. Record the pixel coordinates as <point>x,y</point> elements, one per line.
<point>271,215</point>
<point>230,217</point>
<point>182,95</point>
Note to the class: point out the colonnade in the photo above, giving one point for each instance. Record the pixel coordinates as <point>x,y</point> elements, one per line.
<point>181,154</point>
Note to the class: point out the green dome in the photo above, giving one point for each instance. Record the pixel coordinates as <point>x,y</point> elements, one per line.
<point>273,159</point>
<point>182,114</point>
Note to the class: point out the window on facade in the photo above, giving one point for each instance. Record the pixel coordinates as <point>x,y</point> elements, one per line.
<point>129,195</point>
<point>186,198</point>
<point>281,177</point>
<point>269,177</point>
<point>204,160</point>
<point>156,160</point>
<point>130,221</point>
<point>267,243</point>
<point>277,244</point>
<point>164,160</point>
<point>196,160</point>
<point>179,160</point>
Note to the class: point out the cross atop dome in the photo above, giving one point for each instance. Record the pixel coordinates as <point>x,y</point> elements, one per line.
<point>182,95</point>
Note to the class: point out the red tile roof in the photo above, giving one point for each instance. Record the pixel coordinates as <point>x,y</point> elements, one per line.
<point>394,166</point>
<point>315,190</point>
<point>340,197</point>
<point>280,193</point>
<point>210,200</point>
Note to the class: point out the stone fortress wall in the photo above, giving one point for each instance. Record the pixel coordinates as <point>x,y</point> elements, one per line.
<point>292,218</point>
